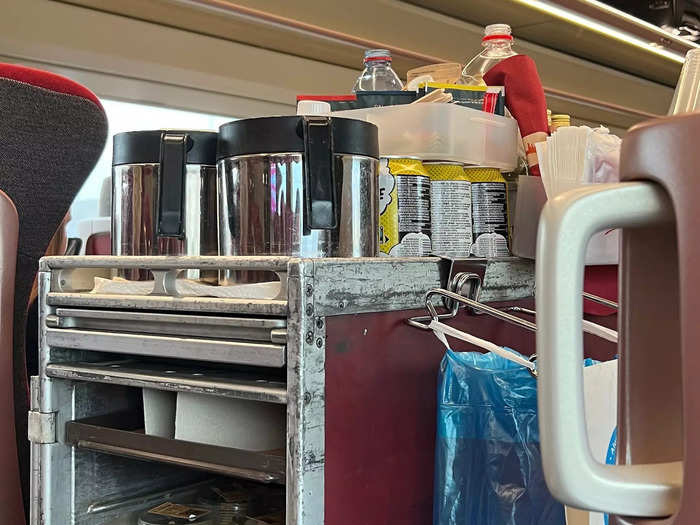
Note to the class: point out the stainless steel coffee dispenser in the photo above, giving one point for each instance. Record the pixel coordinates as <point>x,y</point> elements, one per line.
<point>164,195</point>
<point>299,186</point>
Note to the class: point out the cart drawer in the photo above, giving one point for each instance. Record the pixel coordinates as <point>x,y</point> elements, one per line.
<point>198,349</point>
<point>267,329</point>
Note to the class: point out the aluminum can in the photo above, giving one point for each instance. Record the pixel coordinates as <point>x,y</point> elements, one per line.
<point>450,209</point>
<point>404,208</point>
<point>489,211</point>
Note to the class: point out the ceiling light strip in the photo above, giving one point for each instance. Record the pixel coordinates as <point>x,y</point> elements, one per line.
<point>606,30</point>
<point>600,6</point>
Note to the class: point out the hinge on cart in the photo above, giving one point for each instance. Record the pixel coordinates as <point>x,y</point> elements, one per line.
<point>42,427</point>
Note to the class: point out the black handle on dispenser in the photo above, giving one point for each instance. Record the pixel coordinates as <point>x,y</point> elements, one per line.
<point>171,190</point>
<point>73,246</point>
<point>320,206</point>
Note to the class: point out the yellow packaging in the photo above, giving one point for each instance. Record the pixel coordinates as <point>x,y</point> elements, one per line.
<point>404,208</point>
<point>450,209</point>
<point>489,211</point>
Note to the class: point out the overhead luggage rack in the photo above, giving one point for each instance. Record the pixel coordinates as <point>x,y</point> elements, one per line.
<point>321,341</point>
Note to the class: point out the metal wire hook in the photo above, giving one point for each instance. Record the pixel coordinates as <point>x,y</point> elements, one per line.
<point>494,312</point>
<point>456,284</point>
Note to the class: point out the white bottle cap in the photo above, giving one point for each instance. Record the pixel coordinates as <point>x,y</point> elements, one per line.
<point>313,107</point>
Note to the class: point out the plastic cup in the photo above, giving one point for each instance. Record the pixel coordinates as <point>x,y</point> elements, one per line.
<point>686,98</point>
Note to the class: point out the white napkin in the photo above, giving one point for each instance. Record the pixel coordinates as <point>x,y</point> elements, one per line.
<point>189,288</point>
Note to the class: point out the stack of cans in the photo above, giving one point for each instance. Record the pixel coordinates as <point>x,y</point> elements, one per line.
<point>441,208</point>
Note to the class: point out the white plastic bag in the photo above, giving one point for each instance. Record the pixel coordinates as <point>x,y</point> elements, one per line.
<point>602,157</point>
<point>600,406</point>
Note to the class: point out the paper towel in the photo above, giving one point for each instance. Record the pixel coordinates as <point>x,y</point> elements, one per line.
<point>236,423</point>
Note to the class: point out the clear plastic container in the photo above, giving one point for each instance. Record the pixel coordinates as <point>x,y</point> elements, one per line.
<point>603,248</point>
<point>686,98</point>
<point>378,74</point>
<point>444,132</point>
<point>497,44</point>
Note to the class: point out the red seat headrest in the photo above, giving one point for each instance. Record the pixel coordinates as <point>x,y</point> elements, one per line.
<point>46,80</point>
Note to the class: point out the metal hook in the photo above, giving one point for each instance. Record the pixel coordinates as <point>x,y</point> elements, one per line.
<point>421,320</point>
<point>454,297</point>
<point>456,286</point>
<point>494,312</point>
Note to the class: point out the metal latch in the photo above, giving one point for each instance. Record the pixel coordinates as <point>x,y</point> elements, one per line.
<point>42,427</point>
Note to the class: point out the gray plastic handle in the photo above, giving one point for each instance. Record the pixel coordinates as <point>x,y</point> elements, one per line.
<point>572,474</point>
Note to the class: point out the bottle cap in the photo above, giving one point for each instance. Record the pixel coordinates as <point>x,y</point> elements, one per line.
<point>377,54</point>
<point>313,107</point>
<point>497,32</point>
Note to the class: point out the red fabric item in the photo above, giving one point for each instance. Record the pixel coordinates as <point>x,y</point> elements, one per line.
<point>600,281</point>
<point>525,100</point>
<point>46,80</point>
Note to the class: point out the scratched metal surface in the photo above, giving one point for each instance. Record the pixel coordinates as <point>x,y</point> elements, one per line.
<point>385,284</point>
<point>305,399</point>
<point>165,262</point>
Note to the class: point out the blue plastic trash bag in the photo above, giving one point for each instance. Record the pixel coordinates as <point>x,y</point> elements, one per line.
<point>611,459</point>
<point>488,469</point>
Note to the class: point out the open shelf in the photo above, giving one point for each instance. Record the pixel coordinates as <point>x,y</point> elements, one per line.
<point>118,434</point>
<point>175,377</point>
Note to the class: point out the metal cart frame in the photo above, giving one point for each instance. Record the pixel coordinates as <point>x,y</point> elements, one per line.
<point>76,325</point>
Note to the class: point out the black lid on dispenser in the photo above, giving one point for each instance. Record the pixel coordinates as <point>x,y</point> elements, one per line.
<point>172,150</point>
<point>286,135</point>
<point>318,139</point>
<point>144,147</point>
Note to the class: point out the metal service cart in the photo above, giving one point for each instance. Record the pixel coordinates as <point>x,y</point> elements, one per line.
<point>332,344</point>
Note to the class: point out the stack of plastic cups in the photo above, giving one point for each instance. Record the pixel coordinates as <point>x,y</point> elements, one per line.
<point>686,98</point>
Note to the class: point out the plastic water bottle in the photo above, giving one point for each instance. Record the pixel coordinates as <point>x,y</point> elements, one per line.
<point>497,43</point>
<point>378,74</point>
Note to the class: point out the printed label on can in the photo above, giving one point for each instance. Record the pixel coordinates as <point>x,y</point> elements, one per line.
<point>175,510</point>
<point>490,212</point>
<point>404,208</point>
<point>450,210</point>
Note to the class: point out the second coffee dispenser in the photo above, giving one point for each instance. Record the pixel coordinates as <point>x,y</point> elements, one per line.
<point>164,196</point>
